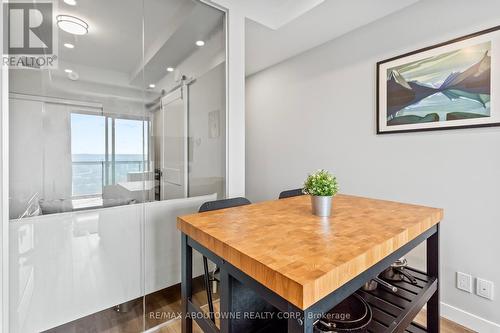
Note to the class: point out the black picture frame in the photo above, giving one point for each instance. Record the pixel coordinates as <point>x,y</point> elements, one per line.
<point>421,50</point>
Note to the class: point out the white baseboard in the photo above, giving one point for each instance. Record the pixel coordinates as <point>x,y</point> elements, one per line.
<point>468,320</point>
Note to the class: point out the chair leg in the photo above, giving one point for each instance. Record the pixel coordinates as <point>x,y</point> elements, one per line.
<point>208,289</point>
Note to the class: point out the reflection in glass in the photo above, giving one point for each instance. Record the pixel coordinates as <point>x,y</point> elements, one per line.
<point>105,152</point>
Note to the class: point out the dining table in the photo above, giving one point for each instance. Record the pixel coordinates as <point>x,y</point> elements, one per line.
<point>282,268</point>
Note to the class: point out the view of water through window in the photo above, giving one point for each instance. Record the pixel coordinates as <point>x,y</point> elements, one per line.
<point>91,170</point>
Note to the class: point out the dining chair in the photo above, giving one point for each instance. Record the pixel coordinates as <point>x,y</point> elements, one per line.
<point>206,207</point>
<point>291,193</point>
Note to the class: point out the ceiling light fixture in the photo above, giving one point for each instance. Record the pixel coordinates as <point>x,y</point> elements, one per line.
<point>72,24</point>
<point>68,71</point>
<point>70,2</point>
<point>152,86</point>
<point>73,76</point>
<point>170,69</point>
<point>69,45</point>
<point>200,43</point>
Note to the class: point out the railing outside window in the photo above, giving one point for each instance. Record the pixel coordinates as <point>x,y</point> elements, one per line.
<point>89,176</point>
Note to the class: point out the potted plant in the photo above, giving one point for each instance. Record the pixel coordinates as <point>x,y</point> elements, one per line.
<point>322,187</point>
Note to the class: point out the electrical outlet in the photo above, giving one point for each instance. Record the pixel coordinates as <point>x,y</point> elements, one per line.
<point>464,282</point>
<point>484,288</point>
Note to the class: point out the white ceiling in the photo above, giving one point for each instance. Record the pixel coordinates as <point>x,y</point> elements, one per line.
<point>325,21</point>
<point>121,41</point>
<point>115,38</point>
<point>271,13</point>
<point>201,23</point>
<point>276,30</point>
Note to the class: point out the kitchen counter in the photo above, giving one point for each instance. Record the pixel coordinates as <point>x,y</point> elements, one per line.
<point>305,259</point>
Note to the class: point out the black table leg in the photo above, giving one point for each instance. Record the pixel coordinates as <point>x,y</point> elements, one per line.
<point>208,288</point>
<point>225,300</point>
<point>433,314</point>
<point>296,326</point>
<point>186,281</point>
<point>297,321</point>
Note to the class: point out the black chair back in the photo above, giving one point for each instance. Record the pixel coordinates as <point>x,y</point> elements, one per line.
<point>223,203</point>
<point>291,193</point>
<point>206,207</point>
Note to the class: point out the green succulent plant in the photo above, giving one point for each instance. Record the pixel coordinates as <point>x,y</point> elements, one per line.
<point>321,183</point>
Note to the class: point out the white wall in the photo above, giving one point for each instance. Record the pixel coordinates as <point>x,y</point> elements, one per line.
<point>207,153</point>
<point>318,111</point>
<point>235,101</point>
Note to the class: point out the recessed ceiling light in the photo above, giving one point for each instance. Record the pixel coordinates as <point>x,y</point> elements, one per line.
<point>170,69</point>
<point>73,76</point>
<point>70,2</point>
<point>72,24</point>
<point>69,45</point>
<point>152,86</point>
<point>67,70</point>
<point>200,43</point>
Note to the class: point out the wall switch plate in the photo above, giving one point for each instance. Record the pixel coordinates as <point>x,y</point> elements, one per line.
<point>464,282</point>
<point>484,288</point>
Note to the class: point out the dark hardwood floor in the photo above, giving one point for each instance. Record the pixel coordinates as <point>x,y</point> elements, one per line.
<point>157,308</point>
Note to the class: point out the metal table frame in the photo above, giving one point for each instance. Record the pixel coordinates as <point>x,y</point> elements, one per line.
<point>303,320</point>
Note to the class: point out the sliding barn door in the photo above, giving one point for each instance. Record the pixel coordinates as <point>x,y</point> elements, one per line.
<point>174,145</point>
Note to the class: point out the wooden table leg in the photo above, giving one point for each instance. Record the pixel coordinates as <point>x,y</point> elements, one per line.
<point>433,313</point>
<point>186,281</point>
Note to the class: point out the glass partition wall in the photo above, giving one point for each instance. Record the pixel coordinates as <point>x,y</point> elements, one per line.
<point>107,148</point>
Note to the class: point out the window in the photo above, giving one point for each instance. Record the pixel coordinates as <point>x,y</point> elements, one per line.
<point>130,152</point>
<point>106,150</point>
<point>88,154</point>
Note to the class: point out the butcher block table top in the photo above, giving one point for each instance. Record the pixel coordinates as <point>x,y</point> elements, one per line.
<point>302,257</point>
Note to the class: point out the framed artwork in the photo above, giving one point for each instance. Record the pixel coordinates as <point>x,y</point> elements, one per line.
<point>451,85</point>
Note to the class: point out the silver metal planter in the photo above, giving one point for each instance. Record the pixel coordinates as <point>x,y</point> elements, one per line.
<point>321,206</point>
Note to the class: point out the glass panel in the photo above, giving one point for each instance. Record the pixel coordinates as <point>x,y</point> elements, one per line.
<point>76,235</point>
<point>132,116</point>
<point>188,143</point>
